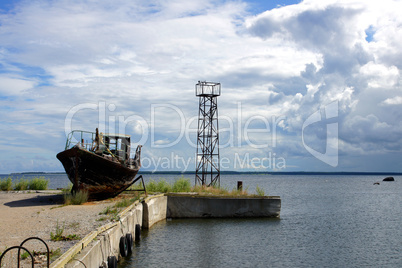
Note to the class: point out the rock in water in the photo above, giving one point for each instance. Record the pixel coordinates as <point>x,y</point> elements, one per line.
<point>389,179</point>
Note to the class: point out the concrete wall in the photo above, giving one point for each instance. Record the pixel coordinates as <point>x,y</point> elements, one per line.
<point>154,210</point>
<point>180,206</point>
<point>95,248</point>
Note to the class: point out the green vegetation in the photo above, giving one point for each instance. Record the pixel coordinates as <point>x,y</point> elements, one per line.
<point>111,212</point>
<point>162,186</point>
<point>21,185</point>
<point>214,190</point>
<point>6,184</point>
<point>37,183</point>
<point>125,202</point>
<point>77,198</point>
<point>139,187</point>
<point>54,254</point>
<point>183,185</point>
<point>68,189</point>
<point>260,191</point>
<point>104,218</point>
<point>58,236</point>
<point>24,255</point>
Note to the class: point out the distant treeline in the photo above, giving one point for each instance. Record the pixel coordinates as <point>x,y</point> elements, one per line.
<point>275,173</point>
<point>237,173</point>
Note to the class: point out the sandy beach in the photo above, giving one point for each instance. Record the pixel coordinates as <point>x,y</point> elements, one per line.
<point>27,214</point>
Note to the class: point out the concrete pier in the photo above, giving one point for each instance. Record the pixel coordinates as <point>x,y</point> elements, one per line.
<point>94,249</point>
<point>190,206</point>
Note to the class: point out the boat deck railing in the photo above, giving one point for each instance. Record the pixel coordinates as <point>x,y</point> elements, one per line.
<point>112,144</point>
<point>84,138</point>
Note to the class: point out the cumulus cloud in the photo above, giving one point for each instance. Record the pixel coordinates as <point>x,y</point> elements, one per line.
<point>392,101</point>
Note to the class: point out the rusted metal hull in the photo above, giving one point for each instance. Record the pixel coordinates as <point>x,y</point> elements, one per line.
<point>100,177</point>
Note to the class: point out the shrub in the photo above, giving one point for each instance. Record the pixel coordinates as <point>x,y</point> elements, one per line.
<point>21,185</point>
<point>6,184</point>
<point>78,198</point>
<point>38,184</point>
<point>161,186</point>
<point>181,185</point>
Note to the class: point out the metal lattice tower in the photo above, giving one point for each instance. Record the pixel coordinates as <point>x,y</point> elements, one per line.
<point>207,162</point>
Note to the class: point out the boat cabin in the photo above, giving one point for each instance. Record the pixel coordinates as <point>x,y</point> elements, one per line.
<point>112,146</point>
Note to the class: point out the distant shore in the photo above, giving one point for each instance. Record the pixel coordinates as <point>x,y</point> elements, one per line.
<point>231,173</point>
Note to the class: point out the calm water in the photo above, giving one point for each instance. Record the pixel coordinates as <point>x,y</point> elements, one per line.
<point>326,221</point>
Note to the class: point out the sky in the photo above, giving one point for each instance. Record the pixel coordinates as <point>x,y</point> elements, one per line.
<point>310,85</point>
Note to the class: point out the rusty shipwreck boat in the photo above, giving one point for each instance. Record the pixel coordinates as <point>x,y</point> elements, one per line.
<point>100,163</point>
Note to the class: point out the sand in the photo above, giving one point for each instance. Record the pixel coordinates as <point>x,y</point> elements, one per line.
<point>23,215</point>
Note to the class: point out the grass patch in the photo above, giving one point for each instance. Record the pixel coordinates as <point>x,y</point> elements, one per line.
<point>183,185</point>
<point>111,212</point>
<point>202,190</point>
<point>68,189</point>
<point>78,198</point>
<point>260,191</point>
<point>58,235</point>
<point>24,255</point>
<point>54,254</point>
<point>104,218</point>
<point>162,186</point>
<point>214,190</point>
<point>125,202</point>
<point>6,184</point>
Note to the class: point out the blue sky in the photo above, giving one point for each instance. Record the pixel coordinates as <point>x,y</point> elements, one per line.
<point>310,85</point>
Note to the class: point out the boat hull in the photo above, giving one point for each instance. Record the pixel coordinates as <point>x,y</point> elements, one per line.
<point>100,177</point>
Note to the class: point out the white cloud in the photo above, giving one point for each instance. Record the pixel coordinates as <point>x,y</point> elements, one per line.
<point>380,76</point>
<point>14,85</point>
<point>392,101</point>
